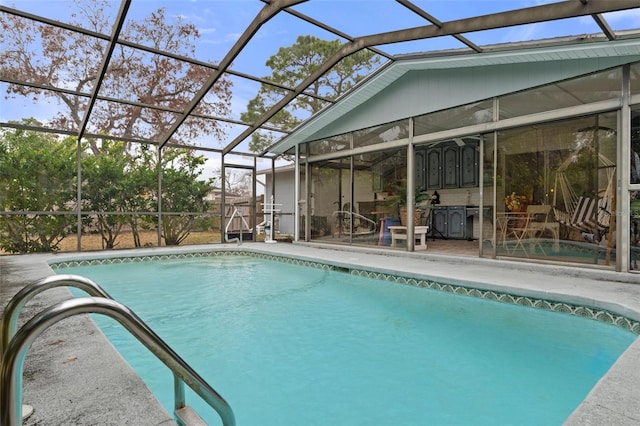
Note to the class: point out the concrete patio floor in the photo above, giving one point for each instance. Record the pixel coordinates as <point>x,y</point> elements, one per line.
<point>74,376</point>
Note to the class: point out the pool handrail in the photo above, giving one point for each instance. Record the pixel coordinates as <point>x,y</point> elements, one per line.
<point>9,319</point>
<point>11,367</point>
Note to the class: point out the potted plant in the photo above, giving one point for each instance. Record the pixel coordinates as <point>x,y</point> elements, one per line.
<point>398,202</point>
<point>515,203</point>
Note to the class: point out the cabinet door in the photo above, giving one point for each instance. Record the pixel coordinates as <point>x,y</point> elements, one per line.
<point>450,170</point>
<point>469,169</point>
<point>456,222</point>
<point>420,168</point>
<point>434,168</point>
<point>439,222</point>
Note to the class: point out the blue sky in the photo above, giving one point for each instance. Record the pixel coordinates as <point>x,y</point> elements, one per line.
<point>221,22</point>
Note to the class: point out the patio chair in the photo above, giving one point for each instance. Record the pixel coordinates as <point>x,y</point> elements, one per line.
<point>538,224</point>
<point>525,230</point>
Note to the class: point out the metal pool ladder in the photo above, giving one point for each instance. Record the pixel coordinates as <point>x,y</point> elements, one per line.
<point>14,345</point>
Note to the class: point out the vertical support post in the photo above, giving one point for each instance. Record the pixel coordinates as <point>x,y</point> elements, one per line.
<point>622,222</point>
<point>308,204</point>
<point>481,196</point>
<point>494,201</point>
<point>223,211</point>
<point>351,194</point>
<point>296,195</point>
<point>273,195</point>
<point>254,187</point>
<point>178,392</point>
<point>159,212</point>
<point>79,195</point>
<point>411,190</point>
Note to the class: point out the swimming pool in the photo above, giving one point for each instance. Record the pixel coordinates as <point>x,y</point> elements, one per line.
<point>317,346</point>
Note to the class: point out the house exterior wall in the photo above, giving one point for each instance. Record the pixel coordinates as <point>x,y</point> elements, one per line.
<point>536,128</point>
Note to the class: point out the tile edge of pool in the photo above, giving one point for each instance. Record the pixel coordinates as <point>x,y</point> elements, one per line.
<point>585,308</point>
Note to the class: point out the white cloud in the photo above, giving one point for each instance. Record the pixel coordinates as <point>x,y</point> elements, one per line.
<point>207,30</point>
<point>228,38</point>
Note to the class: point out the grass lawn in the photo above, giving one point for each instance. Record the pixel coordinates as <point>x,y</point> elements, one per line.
<point>93,242</point>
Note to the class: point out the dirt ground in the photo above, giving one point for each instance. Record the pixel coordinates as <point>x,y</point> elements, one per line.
<point>125,240</point>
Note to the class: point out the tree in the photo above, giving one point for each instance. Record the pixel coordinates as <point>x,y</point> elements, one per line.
<point>237,182</point>
<point>183,193</point>
<point>53,56</point>
<point>143,178</point>
<point>105,187</point>
<point>37,174</point>
<point>293,64</point>
<point>115,181</point>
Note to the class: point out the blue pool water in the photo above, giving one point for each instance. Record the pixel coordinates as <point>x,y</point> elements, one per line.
<point>292,345</point>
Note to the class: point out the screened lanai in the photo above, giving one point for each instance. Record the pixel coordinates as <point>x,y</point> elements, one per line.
<point>148,123</point>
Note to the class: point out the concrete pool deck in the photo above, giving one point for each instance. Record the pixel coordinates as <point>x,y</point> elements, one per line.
<point>73,375</point>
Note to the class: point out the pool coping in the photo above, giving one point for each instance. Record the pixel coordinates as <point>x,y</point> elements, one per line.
<point>601,295</point>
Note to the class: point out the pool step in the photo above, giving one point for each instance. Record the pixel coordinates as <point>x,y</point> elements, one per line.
<point>188,417</point>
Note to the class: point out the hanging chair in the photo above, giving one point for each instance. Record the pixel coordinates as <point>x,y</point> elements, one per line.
<point>581,212</point>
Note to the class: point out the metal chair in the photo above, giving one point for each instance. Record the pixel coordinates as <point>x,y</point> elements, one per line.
<point>538,225</point>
